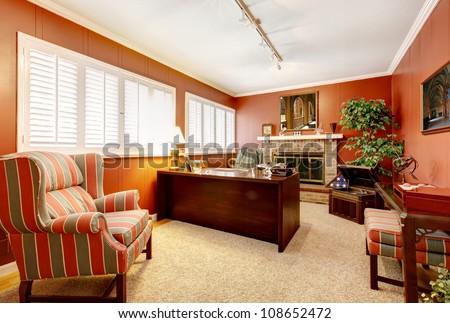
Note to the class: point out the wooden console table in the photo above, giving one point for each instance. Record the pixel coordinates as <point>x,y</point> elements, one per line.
<point>411,221</point>
<point>239,202</point>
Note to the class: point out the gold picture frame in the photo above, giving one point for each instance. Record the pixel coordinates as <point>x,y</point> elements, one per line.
<point>267,129</point>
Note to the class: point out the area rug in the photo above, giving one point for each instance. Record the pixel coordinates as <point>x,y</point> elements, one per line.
<point>324,262</point>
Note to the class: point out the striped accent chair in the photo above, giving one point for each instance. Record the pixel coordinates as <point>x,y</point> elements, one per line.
<point>384,238</point>
<point>60,224</point>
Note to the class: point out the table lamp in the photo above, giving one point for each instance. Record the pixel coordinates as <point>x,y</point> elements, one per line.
<point>177,149</point>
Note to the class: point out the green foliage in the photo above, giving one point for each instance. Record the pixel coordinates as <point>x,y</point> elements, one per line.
<point>440,288</point>
<point>370,118</point>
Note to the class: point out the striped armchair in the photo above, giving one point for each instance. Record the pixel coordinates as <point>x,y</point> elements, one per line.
<point>60,224</point>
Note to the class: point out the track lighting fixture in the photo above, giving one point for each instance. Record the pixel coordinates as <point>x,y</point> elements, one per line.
<point>244,20</point>
<point>249,20</point>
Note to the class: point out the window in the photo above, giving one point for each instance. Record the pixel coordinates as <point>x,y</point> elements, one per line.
<point>72,103</point>
<point>209,124</point>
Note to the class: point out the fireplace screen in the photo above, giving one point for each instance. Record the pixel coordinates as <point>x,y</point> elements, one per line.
<point>310,165</point>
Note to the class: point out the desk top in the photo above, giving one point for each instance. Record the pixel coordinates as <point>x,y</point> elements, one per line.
<point>255,175</point>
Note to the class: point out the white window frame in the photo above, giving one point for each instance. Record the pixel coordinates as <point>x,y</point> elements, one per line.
<point>27,42</point>
<point>198,146</point>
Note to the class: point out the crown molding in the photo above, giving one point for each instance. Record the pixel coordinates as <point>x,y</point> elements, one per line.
<point>307,85</point>
<point>423,16</point>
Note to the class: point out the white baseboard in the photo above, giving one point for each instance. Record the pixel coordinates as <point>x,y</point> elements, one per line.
<point>8,269</point>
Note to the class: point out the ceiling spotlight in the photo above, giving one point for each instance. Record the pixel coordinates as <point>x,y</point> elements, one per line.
<point>278,65</point>
<point>272,56</point>
<point>244,20</point>
<point>263,43</point>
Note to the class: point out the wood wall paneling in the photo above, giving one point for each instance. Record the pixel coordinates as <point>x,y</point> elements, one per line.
<point>59,31</point>
<point>14,16</point>
<point>133,61</point>
<point>429,52</point>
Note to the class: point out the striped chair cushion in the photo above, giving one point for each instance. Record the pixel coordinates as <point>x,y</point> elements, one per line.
<point>125,226</point>
<point>61,170</point>
<point>423,257</point>
<point>68,201</point>
<point>382,227</point>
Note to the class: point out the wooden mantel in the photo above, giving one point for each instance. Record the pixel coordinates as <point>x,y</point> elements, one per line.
<point>332,136</point>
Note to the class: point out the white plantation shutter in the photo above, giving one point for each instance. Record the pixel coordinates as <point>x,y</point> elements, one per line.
<point>145,121</point>
<point>194,126</point>
<point>161,104</point>
<point>112,107</point>
<point>211,124</point>
<point>67,102</point>
<point>101,108</point>
<point>53,100</point>
<point>42,97</point>
<point>94,105</point>
<point>220,128</point>
<point>131,107</point>
<point>72,103</point>
<point>208,126</point>
<point>229,139</point>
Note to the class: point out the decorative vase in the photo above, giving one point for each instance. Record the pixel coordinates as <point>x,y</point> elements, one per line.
<point>333,126</point>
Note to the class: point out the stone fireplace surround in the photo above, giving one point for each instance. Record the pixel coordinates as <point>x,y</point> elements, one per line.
<point>304,144</point>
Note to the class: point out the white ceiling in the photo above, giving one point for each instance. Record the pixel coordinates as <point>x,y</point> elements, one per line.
<point>320,41</point>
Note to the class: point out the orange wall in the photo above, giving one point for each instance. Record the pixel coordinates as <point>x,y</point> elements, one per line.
<point>253,111</point>
<point>429,52</point>
<point>20,15</point>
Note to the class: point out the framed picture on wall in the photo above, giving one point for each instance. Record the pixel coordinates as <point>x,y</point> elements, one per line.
<point>435,102</point>
<point>267,129</point>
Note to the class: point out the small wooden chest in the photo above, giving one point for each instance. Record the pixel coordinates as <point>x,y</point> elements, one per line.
<point>349,203</point>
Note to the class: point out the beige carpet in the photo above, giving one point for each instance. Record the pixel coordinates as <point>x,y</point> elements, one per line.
<point>324,262</point>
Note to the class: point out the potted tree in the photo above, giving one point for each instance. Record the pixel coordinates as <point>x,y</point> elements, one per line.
<point>371,118</point>
<point>440,288</point>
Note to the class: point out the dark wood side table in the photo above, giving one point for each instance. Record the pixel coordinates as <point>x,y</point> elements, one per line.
<point>410,221</point>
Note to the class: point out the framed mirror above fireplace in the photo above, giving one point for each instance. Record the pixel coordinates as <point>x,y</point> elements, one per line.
<point>299,111</point>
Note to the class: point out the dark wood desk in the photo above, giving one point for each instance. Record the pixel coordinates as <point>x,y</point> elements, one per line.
<point>410,222</point>
<point>239,202</point>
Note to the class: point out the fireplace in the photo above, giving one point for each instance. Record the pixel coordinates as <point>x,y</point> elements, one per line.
<point>314,156</point>
<point>310,165</point>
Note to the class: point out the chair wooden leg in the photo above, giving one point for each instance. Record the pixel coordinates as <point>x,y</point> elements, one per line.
<point>25,291</point>
<point>148,249</point>
<point>374,272</point>
<point>121,288</point>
